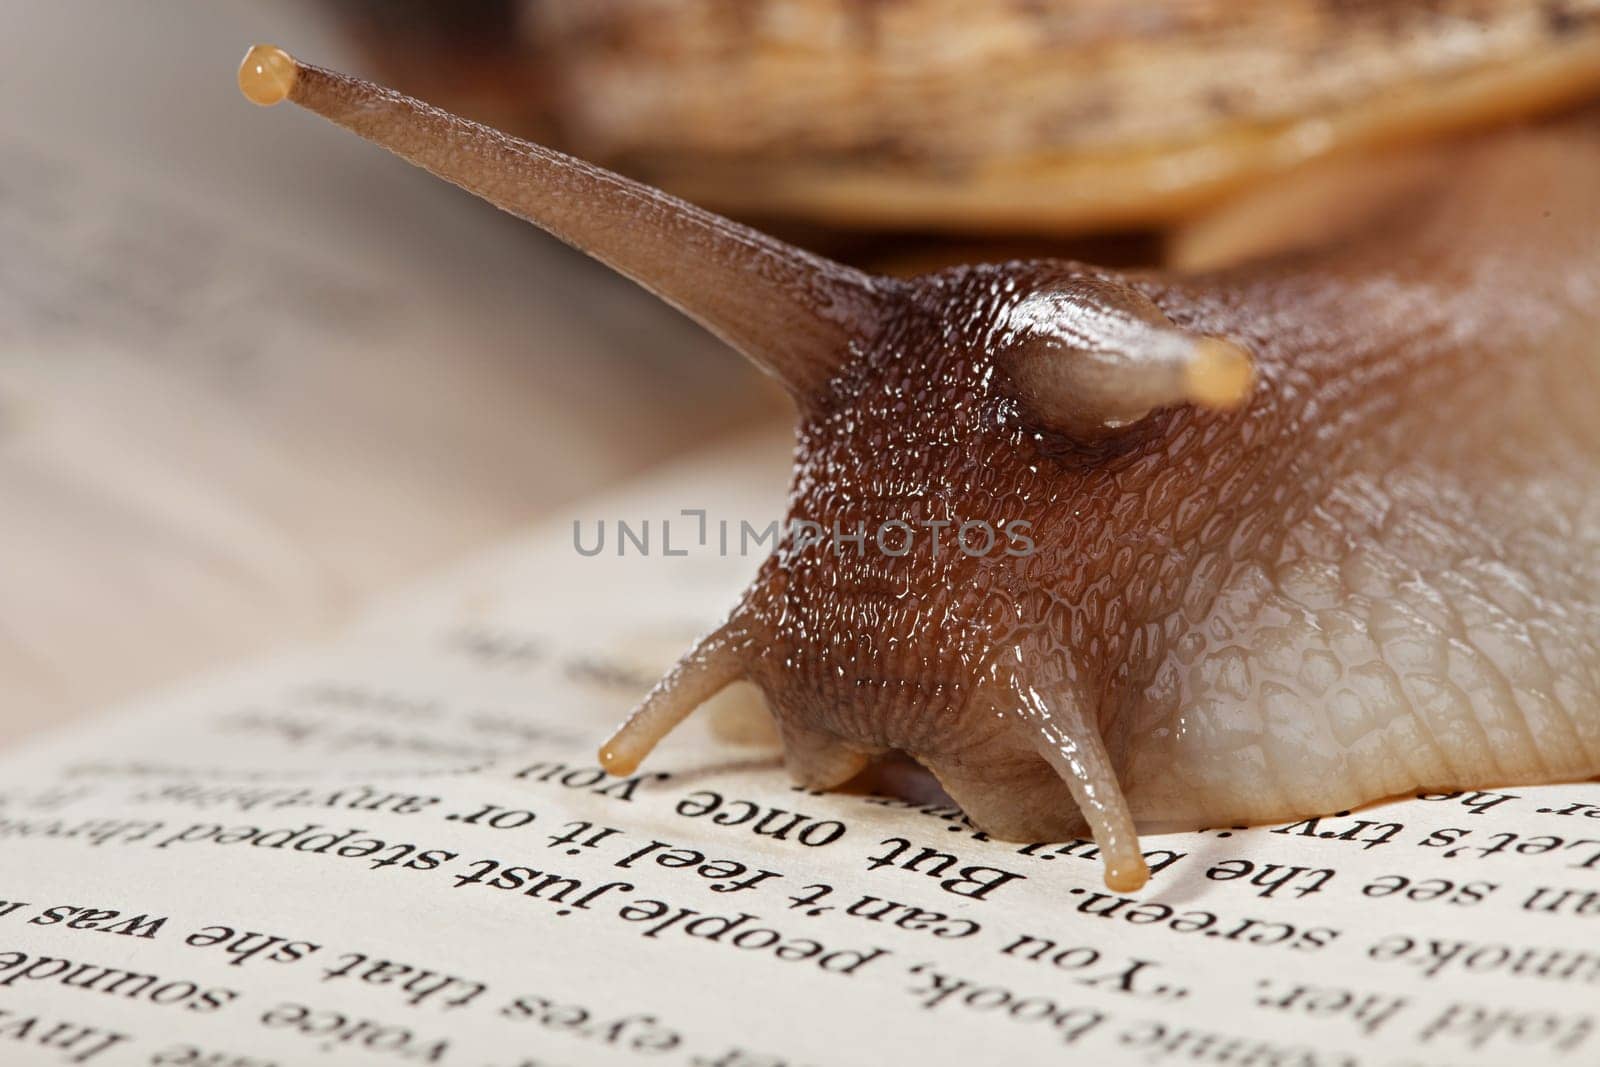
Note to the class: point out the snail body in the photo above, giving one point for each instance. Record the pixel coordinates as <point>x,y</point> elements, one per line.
<point>1302,533</point>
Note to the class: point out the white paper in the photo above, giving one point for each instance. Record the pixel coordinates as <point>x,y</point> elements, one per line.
<point>333,856</point>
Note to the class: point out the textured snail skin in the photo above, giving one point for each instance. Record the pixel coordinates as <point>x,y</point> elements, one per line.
<point>1380,571</point>
<point>1380,575</point>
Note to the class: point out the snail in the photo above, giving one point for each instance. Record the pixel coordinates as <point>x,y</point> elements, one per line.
<point>1275,539</point>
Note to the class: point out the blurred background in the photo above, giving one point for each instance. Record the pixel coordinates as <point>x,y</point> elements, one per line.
<point>255,372</point>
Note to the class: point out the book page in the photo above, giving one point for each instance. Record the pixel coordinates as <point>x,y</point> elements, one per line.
<point>397,849</point>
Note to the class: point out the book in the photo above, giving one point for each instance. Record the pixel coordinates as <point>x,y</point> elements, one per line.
<point>395,847</point>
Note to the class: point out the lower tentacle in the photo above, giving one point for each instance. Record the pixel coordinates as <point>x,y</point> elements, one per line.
<point>818,760</point>
<point>1069,740</point>
<point>717,661</point>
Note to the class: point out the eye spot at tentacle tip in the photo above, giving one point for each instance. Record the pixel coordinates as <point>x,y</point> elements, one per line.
<point>1220,374</point>
<point>267,75</point>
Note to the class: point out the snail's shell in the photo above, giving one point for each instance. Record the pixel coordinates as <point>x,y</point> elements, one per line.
<point>1023,115</point>
<point>1035,114</point>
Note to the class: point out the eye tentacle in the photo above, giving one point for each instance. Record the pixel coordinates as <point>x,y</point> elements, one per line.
<point>792,313</point>
<point>1071,744</point>
<point>717,661</point>
<point>1094,355</point>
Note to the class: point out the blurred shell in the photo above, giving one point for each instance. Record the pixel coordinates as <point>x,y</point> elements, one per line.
<point>1022,115</point>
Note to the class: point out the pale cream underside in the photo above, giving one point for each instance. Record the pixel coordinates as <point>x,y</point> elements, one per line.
<point>1429,652</point>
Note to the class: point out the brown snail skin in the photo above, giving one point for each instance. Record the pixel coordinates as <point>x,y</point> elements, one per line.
<point>1307,532</point>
